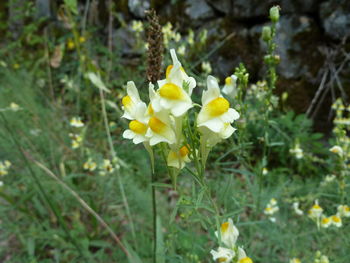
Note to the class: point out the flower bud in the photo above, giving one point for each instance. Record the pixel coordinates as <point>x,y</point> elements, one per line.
<point>275,14</point>
<point>266,33</point>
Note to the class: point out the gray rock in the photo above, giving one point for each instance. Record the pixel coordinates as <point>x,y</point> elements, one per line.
<point>295,35</point>
<point>335,16</point>
<point>138,7</point>
<point>199,10</point>
<point>243,9</point>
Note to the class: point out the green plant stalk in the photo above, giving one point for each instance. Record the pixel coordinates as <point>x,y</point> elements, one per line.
<point>121,186</point>
<point>42,191</point>
<point>154,216</point>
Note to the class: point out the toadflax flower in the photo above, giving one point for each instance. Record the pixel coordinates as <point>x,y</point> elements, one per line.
<point>337,150</point>
<point>230,253</point>
<point>229,233</point>
<point>297,151</point>
<point>271,208</point>
<point>295,260</point>
<point>336,220</point>
<point>326,222</point>
<point>296,208</point>
<point>315,211</point>
<point>76,122</point>
<point>216,114</point>
<point>131,101</point>
<point>230,88</point>
<point>178,159</point>
<point>344,210</point>
<point>138,126</point>
<point>175,90</point>
<point>223,255</point>
<point>160,129</point>
<point>242,256</point>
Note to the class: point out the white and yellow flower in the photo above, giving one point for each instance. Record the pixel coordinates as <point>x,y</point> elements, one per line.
<point>271,208</point>
<point>178,159</point>
<point>223,255</point>
<point>230,88</point>
<point>131,101</point>
<point>171,95</point>
<point>295,260</point>
<point>160,129</point>
<point>344,210</point>
<point>229,233</point>
<point>138,127</point>
<point>216,111</point>
<point>77,140</point>
<point>326,222</point>
<point>107,166</point>
<point>315,211</point>
<point>297,151</point>
<point>336,220</point>
<point>90,165</point>
<point>296,208</point>
<point>337,150</point>
<point>76,122</point>
<point>242,256</point>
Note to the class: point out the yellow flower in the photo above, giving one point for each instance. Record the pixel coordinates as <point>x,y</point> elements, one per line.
<point>107,166</point>
<point>160,129</point>
<point>229,233</point>
<point>344,210</point>
<point>178,159</point>
<point>336,149</point>
<point>223,255</point>
<point>242,257</point>
<point>316,211</point>
<point>82,39</point>
<point>326,222</point>
<point>216,111</point>
<point>76,122</point>
<point>139,125</point>
<point>70,44</point>
<point>230,86</point>
<point>336,220</point>
<point>131,102</point>
<point>171,95</point>
<point>90,165</point>
<point>295,260</point>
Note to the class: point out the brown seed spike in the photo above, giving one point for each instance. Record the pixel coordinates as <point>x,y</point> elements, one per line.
<point>155,47</point>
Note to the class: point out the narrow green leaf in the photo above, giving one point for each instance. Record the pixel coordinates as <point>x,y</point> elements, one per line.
<point>96,80</point>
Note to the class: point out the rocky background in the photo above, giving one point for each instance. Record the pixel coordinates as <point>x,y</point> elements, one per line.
<point>312,37</point>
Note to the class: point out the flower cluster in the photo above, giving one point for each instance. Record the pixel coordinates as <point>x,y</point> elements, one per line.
<point>341,131</point>
<point>77,138</point>
<point>270,209</point>
<point>161,121</point>
<point>230,88</point>
<point>231,252</point>
<point>105,167</point>
<point>317,215</point>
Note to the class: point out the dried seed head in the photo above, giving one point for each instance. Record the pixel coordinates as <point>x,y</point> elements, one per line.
<point>155,47</point>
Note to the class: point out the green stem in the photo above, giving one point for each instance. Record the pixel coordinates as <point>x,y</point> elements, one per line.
<point>154,216</point>
<point>121,186</point>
